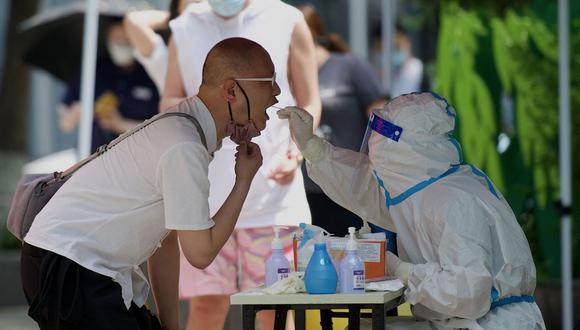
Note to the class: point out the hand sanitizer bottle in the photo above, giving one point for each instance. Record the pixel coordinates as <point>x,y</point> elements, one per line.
<point>277,266</point>
<point>352,268</point>
<point>320,276</point>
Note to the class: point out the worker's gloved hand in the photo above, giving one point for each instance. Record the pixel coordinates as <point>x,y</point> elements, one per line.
<point>398,268</point>
<point>301,129</point>
<point>301,124</point>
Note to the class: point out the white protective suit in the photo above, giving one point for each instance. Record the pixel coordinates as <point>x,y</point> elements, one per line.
<point>468,263</point>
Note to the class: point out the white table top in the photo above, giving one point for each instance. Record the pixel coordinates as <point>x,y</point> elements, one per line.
<point>255,297</point>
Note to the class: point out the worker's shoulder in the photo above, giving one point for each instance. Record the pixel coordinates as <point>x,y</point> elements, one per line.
<point>455,191</point>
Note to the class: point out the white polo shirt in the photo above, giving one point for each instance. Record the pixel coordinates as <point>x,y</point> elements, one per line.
<point>113,213</point>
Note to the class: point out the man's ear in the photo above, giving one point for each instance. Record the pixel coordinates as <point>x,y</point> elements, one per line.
<point>229,90</point>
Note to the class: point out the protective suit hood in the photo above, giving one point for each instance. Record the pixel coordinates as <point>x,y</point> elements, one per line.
<point>423,148</point>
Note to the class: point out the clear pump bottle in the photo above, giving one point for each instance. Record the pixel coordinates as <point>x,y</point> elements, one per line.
<point>352,268</point>
<point>277,266</point>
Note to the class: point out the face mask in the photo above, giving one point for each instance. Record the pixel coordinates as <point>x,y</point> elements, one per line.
<point>242,133</point>
<point>226,8</point>
<point>121,54</point>
<point>398,58</point>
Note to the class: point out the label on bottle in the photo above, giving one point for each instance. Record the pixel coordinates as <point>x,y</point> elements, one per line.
<point>283,273</point>
<point>358,280</point>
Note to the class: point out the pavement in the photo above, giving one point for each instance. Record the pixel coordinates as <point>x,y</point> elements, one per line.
<point>15,318</point>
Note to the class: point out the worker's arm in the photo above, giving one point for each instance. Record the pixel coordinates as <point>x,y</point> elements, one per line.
<point>140,27</point>
<point>163,270</point>
<point>174,91</point>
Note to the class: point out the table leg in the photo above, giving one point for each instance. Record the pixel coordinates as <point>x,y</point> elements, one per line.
<point>325,319</point>
<point>248,317</point>
<point>300,319</point>
<point>379,317</point>
<point>280,319</point>
<point>353,317</point>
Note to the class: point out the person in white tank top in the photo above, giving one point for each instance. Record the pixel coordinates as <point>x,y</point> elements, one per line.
<point>277,196</point>
<point>149,48</point>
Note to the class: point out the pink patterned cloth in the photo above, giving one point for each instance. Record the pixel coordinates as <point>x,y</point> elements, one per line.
<point>240,265</point>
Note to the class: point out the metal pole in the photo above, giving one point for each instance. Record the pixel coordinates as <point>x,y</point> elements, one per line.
<point>565,162</point>
<point>88,77</point>
<point>357,27</point>
<point>388,8</point>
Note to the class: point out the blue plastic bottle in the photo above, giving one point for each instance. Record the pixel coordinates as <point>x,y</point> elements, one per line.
<point>352,268</point>
<point>277,266</point>
<point>320,276</point>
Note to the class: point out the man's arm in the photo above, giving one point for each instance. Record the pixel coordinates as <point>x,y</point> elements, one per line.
<point>163,269</point>
<point>174,91</point>
<point>200,247</point>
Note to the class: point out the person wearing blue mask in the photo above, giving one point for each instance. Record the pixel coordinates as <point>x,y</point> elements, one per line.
<point>464,259</point>
<point>407,69</point>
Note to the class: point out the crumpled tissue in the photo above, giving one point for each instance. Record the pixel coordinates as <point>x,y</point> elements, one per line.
<point>294,283</point>
<point>388,285</point>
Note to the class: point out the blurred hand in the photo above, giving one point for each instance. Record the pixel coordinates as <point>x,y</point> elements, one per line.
<point>283,173</point>
<point>248,161</point>
<point>111,120</point>
<point>69,116</point>
<point>301,125</point>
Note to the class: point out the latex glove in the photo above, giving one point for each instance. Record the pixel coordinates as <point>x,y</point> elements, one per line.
<point>301,125</point>
<point>301,129</point>
<point>398,268</point>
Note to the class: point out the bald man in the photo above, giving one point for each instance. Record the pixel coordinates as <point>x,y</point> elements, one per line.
<point>80,260</point>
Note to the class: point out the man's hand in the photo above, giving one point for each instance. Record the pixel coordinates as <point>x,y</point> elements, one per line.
<point>248,161</point>
<point>301,125</point>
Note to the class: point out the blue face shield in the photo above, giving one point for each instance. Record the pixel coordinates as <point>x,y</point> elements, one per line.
<point>377,126</point>
<point>226,8</point>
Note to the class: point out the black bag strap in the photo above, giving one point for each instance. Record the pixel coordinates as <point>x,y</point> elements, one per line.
<point>102,149</point>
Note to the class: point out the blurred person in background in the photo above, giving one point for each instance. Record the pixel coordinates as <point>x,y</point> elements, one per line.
<point>277,196</point>
<point>144,30</point>
<point>407,69</point>
<point>124,93</point>
<point>349,89</point>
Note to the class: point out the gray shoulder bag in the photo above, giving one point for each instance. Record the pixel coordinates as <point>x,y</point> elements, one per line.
<point>33,191</point>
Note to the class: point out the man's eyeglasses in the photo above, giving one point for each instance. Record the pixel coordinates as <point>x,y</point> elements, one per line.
<point>272,79</point>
